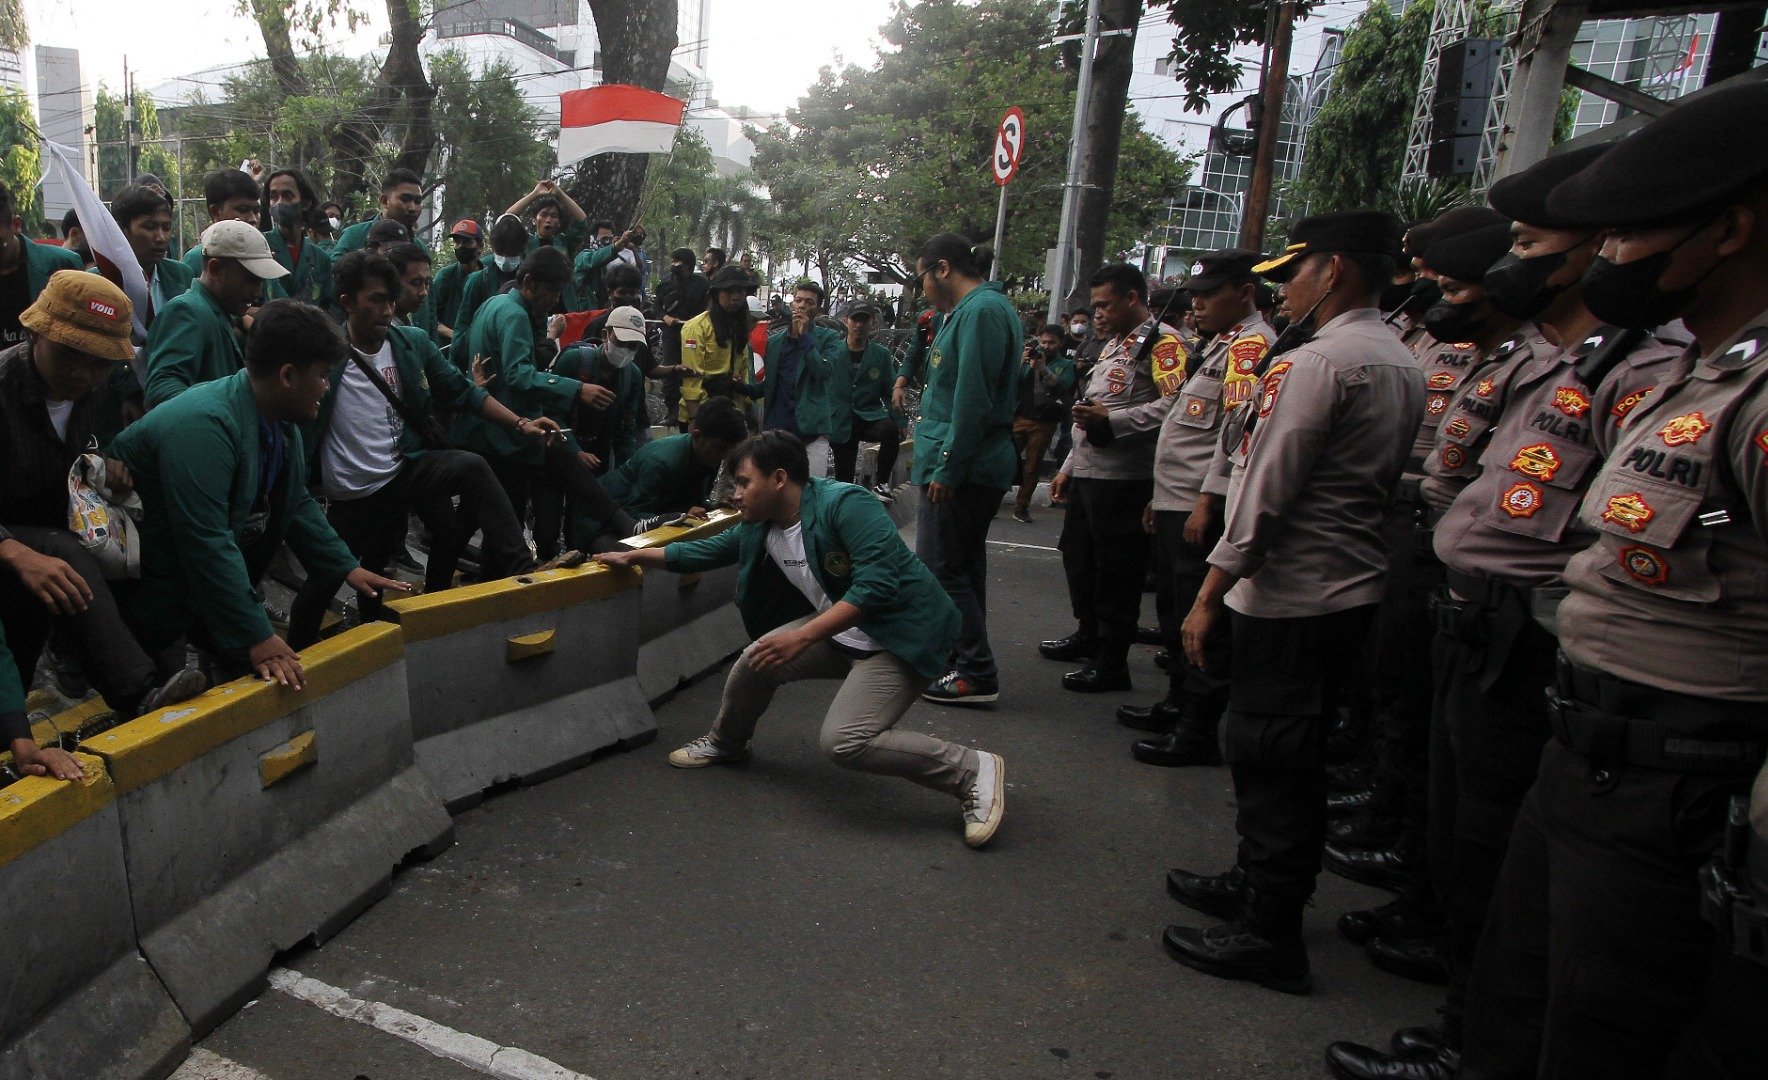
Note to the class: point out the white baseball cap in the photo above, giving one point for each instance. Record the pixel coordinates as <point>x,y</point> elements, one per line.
<point>627,324</point>
<point>237,240</point>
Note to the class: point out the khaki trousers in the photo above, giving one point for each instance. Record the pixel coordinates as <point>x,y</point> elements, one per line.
<point>874,695</point>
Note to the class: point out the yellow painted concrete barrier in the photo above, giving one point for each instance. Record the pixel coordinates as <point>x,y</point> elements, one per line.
<point>690,622</point>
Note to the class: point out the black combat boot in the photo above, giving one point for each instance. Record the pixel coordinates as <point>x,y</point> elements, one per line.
<point>1354,1061</point>
<point>1421,959</point>
<point>1412,914</point>
<point>1218,895</point>
<point>1192,740</point>
<point>1263,945</point>
<point>1079,645</point>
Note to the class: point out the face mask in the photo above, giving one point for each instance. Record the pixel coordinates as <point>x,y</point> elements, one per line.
<point>284,216</point>
<point>1627,294</point>
<point>507,263</point>
<point>1394,297</point>
<point>335,223</point>
<point>619,355</point>
<point>1077,328</point>
<point>1518,287</point>
<point>1454,323</point>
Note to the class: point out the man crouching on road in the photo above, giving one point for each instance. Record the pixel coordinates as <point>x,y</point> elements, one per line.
<point>831,592</point>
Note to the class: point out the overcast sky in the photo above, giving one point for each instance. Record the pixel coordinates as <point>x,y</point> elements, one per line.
<point>764,53</point>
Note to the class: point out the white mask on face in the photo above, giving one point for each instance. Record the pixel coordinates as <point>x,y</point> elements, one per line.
<point>335,223</point>
<point>508,263</point>
<point>1077,328</point>
<point>619,354</point>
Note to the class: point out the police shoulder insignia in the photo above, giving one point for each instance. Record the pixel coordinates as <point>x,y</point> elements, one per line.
<point>1630,511</point>
<point>1458,427</point>
<point>1485,387</point>
<point>837,564</point>
<point>1169,355</point>
<point>1273,383</point>
<point>1437,404</point>
<point>1246,352</point>
<point>1646,565</point>
<point>1538,461</point>
<point>1522,500</point>
<point>1571,401</point>
<point>1685,429</point>
<point>1442,380</point>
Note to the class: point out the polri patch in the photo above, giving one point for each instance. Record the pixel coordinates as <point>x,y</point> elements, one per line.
<point>1522,500</point>
<point>1571,401</point>
<point>1630,511</point>
<point>1685,429</point>
<point>1645,565</point>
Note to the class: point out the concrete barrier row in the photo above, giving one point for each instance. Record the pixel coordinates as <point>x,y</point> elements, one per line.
<point>147,903</point>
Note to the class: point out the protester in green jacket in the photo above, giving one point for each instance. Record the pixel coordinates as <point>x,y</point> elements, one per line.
<point>554,216</point>
<point>232,195</point>
<point>193,340</point>
<point>450,281</point>
<point>509,239</point>
<point>964,457</point>
<point>672,475</point>
<point>402,200</point>
<point>829,591</point>
<point>602,248</point>
<point>873,373</point>
<point>505,334</point>
<point>19,254</point>
<point>609,432</point>
<point>290,208</point>
<point>376,463</point>
<point>807,382</point>
<point>222,476</point>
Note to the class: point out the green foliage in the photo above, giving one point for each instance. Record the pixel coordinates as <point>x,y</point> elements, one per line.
<point>15,29</point>
<point>114,168</point>
<point>1205,33</point>
<point>1357,147</point>
<point>21,162</point>
<point>492,146</point>
<point>688,204</point>
<point>878,159</point>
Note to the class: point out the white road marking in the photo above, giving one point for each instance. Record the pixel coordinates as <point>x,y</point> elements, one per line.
<point>208,1065</point>
<point>1027,547</point>
<point>481,1055</point>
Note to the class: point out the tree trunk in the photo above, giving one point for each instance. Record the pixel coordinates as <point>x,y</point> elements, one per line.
<point>636,42</point>
<point>1112,65</point>
<point>273,24</point>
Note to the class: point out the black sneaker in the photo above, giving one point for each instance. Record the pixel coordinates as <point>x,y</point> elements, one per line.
<point>956,689</point>
<point>884,493</point>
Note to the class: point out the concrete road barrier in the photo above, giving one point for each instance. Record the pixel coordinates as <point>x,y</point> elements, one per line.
<point>523,678</point>
<point>76,998</point>
<point>255,817</point>
<point>690,622</point>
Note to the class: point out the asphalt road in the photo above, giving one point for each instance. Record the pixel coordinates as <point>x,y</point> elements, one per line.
<point>783,918</point>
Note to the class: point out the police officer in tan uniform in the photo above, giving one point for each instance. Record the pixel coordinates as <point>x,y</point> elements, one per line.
<point>1108,478</point>
<point>1505,540</point>
<point>1300,564</point>
<point>1185,520</point>
<point>1595,950</point>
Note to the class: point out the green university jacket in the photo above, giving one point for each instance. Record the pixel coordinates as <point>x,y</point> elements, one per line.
<point>195,462</point>
<point>662,478</point>
<point>856,554</point>
<point>480,286</point>
<point>425,380</point>
<point>972,390</point>
<point>445,293</point>
<point>192,341</point>
<point>873,380</point>
<point>41,263</point>
<point>823,404</point>
<point>504,333</point>
<point>309,277</point>
<point>588,363</point>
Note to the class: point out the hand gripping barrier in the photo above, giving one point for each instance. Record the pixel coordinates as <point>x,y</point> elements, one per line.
<point>524,678</point>
<point>255,817</point>
<point>689,622</point>
<point>76,998</point>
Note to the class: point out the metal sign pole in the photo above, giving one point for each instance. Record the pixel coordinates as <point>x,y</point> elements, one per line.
<point>994,273</point>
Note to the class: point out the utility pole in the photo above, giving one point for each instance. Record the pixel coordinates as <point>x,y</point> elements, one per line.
<point>1077,151</point>
<point>1273,83</point>
<point>131,153</point>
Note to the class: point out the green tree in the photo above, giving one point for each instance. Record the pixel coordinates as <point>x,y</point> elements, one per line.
<point>156,156</point>
<point>1205,34</point>
<point>877,159</point>
<point>687,203</point>
<point>21,162</point>
<point>491,144</point>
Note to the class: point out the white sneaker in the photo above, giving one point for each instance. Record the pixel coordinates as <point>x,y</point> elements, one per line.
<point>703,752</point>
<point>985,800</point>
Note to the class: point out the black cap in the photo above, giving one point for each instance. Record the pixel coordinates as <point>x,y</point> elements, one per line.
<point>1467,256</point>
<point>859,307</point>
<point>387,231</point>
<point>1229,266</point>
<point>729,276</point>
<point>1462,219</point>
<point>1350,232</point>
<point>1689,160</point>
<point>1523,197</point>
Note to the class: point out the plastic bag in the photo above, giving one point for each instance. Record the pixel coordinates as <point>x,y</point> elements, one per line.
<point>106,528</point>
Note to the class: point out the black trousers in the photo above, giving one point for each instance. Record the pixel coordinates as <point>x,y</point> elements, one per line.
<point>561,469</point>
<point>952,539</point>
<point>884,433</point>
<point>1727,1039</point>
<point>1279,712</point>
<point>1179,570</point>
<point>101,642</point>
<point>1105,557</point>
<point>1401,675</point>
<point>1595,954</point>
<point>1487,730</point>
<point>373,527</point>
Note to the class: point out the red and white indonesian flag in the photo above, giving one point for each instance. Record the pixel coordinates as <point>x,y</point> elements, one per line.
<point>616,119</point>
<point>110,248</point>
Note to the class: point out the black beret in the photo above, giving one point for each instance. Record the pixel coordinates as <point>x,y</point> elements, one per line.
<point>1349,232</point>
<point>1461,219</point>
<point>1467,256</point>
<point>1685,161</point>
<point>1228,266</point>
<point>1523,196</point>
